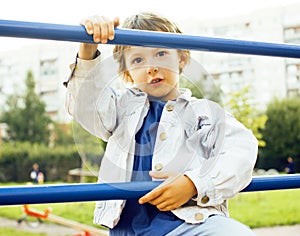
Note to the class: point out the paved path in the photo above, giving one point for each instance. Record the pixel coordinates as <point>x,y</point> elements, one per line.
<point>48,228</point>
<point>57,230</point>
<point>293,230</point>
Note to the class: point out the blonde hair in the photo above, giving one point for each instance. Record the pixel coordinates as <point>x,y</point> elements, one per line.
<point>151,22</point>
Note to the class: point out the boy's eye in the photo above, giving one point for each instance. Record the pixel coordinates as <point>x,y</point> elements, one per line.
<point>137,60</point>
<point>161,53</point>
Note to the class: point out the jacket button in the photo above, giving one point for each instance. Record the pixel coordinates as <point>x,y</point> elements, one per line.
<point>158,167</point>
<point>162,136</point>
<point>198,216</point>
<point>169,107</point>
<point>204,199</point>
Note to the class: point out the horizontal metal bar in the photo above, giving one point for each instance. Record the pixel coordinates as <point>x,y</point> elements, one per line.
<point>22,29</point>
<point>93,192</point>
<point>273,182</point>
<point>73,192</point>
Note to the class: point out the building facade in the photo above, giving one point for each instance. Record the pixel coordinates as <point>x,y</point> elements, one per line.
<point>49,64</point>
<point>268,77</point>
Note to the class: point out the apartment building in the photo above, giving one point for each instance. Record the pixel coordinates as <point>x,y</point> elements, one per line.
<point>49,65</point>
<point>268,77</point>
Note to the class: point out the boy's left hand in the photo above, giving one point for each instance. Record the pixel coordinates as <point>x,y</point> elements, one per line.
<point>171,194</point>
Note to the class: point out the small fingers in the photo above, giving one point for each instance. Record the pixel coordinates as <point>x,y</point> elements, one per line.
<point>105,27</point>
<point>116,21</point>
<point>165,206</point>
<point>101,27</point>
<point>150,196</point>
<point>88,26</point>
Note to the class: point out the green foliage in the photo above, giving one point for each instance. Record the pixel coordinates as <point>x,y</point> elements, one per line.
<point>84,151</point>
<point>33,137</point>
<point>26,117</point>
<point>16,161</point>
<point>90,148</point>
<point>62,134</point>
<point>282,132</point>
<point>241,108</point>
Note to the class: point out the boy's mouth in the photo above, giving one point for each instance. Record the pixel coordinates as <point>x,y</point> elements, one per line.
<point>155,81</point>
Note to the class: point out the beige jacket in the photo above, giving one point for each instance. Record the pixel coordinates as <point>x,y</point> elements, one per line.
<point>195,137</point>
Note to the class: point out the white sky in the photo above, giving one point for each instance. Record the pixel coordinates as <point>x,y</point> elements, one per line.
<point>72,11</point>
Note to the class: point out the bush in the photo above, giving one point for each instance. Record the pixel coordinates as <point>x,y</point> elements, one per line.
<point>282,134</point>
<point>16,160</point>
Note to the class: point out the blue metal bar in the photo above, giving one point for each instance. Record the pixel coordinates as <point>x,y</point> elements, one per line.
<point>273,182</point>
<point>73,192</point>
<point>93,192</point>
<point>73,33</point>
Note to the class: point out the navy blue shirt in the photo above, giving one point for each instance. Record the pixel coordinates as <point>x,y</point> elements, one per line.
<point>145,219</point>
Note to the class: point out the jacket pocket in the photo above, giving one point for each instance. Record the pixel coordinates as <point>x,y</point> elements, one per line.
<point>200,136</point>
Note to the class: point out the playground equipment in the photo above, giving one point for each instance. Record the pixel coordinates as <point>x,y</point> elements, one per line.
<point>72,33</point>
<point>91,192</point>
<point>46,215</point>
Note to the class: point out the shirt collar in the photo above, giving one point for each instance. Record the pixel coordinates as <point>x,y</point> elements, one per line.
<point>185,94</point>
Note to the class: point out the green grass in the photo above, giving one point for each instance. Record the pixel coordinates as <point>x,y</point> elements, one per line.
<point>267,208</point>
<point>80,212</point>
<point>9,232</point>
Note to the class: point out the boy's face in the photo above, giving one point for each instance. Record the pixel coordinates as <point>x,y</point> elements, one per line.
<point>154,70</point>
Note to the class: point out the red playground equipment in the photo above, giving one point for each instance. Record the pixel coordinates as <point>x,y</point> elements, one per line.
<point>46,215</point>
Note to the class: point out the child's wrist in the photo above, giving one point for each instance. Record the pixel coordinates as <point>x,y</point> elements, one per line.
<point>88,51</point>
<point>193,187</point>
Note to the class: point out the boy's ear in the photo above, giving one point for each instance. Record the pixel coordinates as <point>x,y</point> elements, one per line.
<point>183,60</point>
<point>128,77</point>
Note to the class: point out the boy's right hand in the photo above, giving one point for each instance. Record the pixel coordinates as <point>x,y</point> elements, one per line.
<point>102,29</point>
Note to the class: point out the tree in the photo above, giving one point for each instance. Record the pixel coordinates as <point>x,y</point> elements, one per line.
<point>90,149</point>
<point>26,117</point>
<point>62,134</point>
<point>282,131</point>
<point>241,108</point>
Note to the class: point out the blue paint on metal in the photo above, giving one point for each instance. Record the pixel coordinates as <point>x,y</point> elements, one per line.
<point>73,33</point>
<point>93,192</point>
<point>275,182</point>
<point>73,192</point>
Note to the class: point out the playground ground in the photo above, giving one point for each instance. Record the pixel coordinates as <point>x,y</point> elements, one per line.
<point>57,230</point>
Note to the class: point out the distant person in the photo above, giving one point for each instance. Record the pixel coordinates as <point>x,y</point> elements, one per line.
<point>290,169</point>
<point>40,178</point>
<point>36,175</point>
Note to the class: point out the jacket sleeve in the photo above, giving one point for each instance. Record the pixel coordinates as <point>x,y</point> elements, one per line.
<point>90,99</point>
<point>231,155</point>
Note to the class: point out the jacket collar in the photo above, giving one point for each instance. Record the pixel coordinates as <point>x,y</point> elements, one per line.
<point>185,94</point>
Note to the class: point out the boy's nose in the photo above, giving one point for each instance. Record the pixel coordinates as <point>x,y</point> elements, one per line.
<point>152,70</point>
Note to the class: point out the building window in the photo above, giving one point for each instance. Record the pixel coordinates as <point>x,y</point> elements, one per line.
<point>292,34</point>
<point>48,67</point>
<point>293,79</point>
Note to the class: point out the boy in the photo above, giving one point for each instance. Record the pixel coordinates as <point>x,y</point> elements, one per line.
<point>155,130</point>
